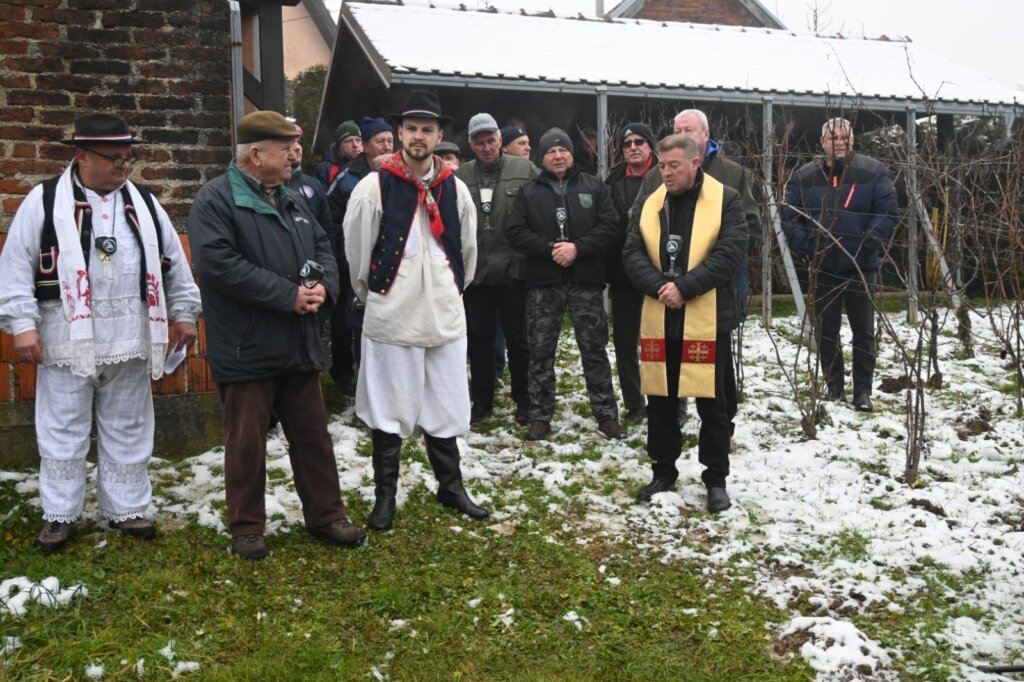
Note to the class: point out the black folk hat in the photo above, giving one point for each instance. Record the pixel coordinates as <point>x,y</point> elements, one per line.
<point>101,128</point>
<point>422,104</point>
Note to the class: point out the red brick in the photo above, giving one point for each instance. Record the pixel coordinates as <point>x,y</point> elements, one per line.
<point>59,117</point>
<point>24,150</point>
<point>66,17</point>
<point>60,81</point>
<point>5,382</point>
<point>186,246</point>
<point>38,97</point>
<point>205,120</point>
<point>16,114</point>
<point>14,47</point>
<point>200,380</point>
<point>50,65</point>
<point>11,205</point>
<point>170,384</point>
<point>12,13</point>
<point>119,103</point>
<point>7,353</point>
<point>100,4</point>
<point>171,173</point>
<point>136,18</point>
<point>201,156</point>
<point>24,381</point>
<point>164,36</point>
<point>14,186</point>
<point>57,152</point>
<point>69,49</point>
<point>111,67</point>
<point>99,36</point>
<point>27,30</point>
<point>136,52</point>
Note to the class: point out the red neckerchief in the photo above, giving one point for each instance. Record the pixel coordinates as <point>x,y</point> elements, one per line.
<point>643,171</point>
<point>399,168</point>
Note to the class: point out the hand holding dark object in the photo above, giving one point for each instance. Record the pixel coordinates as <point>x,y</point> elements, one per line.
<point>311,273</point>
<point>309,300</point>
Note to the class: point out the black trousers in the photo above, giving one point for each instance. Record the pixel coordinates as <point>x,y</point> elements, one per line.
<point>626,309</point>
<point>344,348</point>
<point>485,304</point>
<point>831,294</point>
<point>664,435</point>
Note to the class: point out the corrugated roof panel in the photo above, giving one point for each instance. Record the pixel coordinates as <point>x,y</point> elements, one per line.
<point>674,55</point>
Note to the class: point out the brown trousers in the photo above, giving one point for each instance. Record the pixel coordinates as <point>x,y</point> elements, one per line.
<point>298,403</point>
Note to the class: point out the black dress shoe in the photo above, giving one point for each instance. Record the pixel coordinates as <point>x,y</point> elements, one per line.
<point>862,403</point>
<point>478,416</point>
<point>718,499</point>
<point>657,485</point>
<point>460,501</point>
<point>835,395</point>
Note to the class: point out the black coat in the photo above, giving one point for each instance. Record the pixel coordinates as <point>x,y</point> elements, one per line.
<point>533,230</point>
<point>248,261</point>
<point>623,199</point>
<point>717,271</point>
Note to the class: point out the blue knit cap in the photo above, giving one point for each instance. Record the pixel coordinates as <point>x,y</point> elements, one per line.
<point>369,126</point>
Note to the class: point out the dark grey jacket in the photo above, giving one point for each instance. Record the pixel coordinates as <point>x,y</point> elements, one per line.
<point>247,257</point>
<point>717,271</point>
<point>497,262</point>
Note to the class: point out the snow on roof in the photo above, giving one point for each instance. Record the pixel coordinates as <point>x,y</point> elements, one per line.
<point>582,54</point>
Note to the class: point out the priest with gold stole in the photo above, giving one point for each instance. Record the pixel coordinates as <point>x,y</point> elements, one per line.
<point>684,257</point>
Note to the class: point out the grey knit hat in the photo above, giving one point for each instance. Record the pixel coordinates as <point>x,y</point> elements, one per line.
<point>555,137</point>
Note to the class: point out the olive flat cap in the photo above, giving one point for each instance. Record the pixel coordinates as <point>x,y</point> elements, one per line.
<point>265,125</point>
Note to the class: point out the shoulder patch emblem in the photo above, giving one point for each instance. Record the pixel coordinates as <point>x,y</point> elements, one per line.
<point>586,200</point>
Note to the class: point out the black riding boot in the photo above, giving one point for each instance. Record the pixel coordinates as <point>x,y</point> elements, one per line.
<point>386,447</point>
<point>443,454</point>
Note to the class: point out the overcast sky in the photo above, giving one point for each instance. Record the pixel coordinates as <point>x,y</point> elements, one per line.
<point>980,34</point>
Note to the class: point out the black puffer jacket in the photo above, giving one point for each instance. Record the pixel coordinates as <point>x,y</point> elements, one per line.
<point>248,257</point>
<point>533,229</point>
<point>717,271</point>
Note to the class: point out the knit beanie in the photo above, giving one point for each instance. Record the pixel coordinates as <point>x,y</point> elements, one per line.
<point>346,130</point>
<point>555,137</point>
<point>369,126</point>
<point>641,129</point>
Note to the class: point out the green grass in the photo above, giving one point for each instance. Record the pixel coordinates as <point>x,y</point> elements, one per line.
<point>315,612</point>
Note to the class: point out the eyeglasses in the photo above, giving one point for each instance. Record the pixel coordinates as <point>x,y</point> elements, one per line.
<point>638,142</point>
<point>118,161</point>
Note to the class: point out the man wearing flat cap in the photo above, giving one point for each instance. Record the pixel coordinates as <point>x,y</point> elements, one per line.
<point>266,274</point>
<point>91,273</point>
<point>564,222</point>
<point>410,238</point>
<point>497,294</point>
<point>348,144</point>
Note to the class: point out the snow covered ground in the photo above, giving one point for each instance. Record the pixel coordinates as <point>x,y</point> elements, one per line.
<point>824,528</point>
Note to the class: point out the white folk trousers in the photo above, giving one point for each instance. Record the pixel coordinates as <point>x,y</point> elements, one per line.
<point>405,389</point>
<point>123,400</point>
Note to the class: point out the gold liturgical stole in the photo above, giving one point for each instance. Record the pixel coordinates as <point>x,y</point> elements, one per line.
<point>700,325</point>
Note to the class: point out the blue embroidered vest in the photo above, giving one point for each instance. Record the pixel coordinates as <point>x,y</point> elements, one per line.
<point>399,201</point>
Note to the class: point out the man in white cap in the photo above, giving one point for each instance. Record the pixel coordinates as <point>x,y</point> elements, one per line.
<point>497,293</point>
<point>89,277</point>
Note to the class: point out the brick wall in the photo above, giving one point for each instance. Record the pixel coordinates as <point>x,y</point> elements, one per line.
<point>164,65</point>
<point>729,12</point>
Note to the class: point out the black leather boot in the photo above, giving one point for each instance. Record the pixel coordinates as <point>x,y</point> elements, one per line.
<point>386,448</point>
<point>443,454</point>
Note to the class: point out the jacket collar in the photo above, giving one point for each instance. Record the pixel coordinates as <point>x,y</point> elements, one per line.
<point>245,196</point>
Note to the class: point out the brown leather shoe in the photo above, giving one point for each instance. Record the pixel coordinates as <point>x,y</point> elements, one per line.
<point>54,535</point>
<point>612,428</point>
<point>340,532</point>
<point>137,527</point>
<point>251,547</point>
<point>538,429</point>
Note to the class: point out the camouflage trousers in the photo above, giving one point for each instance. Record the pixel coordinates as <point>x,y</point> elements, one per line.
<point>545,307</point>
